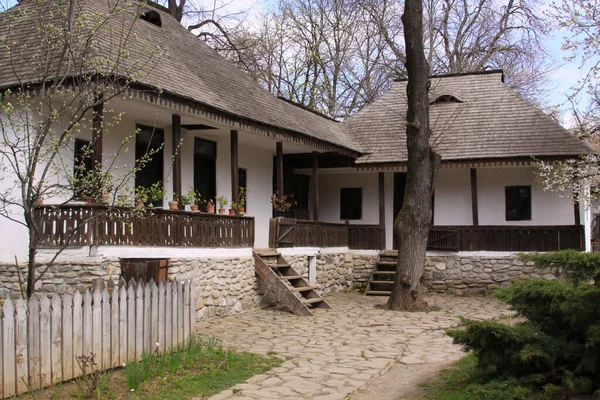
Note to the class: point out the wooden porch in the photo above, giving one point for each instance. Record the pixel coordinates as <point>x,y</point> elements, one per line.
<point>506,238</point>
<point>86,225</point>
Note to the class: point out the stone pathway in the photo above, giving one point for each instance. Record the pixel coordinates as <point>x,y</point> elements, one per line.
<point>336,352</point>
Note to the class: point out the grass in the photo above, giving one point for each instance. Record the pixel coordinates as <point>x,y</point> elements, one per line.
<point>202,368</point>
<point>462,381</point>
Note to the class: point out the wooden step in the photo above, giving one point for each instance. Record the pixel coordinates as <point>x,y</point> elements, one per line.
<point>279,265</point>
<point>267,252</point>
<point>386,263</point>
<point>301,289</point>
<point>311,301</point>
<point>384,272</point>
<point>378,292</point>
<point>290,277</point>
<point>382,282</point>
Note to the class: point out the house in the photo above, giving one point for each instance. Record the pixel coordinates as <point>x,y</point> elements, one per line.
<point>214,129</point>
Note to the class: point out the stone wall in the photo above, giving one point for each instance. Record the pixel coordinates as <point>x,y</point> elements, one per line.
<point>363,265</point>
<point>465,275</point>
<point>62,277</point>
<point>223,285</point>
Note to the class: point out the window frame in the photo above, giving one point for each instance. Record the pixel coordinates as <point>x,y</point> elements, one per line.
<point>345,208</point>
<point>521,213</point>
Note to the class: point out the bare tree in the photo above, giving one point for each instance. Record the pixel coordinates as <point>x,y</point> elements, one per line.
<point>422,165</point>
<point>58,80</point>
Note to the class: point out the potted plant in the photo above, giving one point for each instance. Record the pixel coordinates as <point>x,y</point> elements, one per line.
<point>223,202</point>
<point>282,204</point>
<point>234,207</point>
<point>156,192</point>
<point>141,196</point>
<point>174,204</point>
<point>210,206</point>
<point>186,200</point>
<point>242,198</point>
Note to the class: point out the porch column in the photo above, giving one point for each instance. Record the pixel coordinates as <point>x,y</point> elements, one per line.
<point>97,131</point>
<point>315,185</point>
<point>176,149</point>
<point>474,204</point>
<point>381,179</point>
<point>235,185</point>
<point>280,168</point>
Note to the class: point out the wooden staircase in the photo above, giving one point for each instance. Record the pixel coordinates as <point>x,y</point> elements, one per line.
<point>285,285</point>
<point>382,278</point>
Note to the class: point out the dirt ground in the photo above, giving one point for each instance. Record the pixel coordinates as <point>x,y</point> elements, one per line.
<point>400,382</point>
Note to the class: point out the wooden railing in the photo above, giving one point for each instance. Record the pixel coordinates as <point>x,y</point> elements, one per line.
<point>289,232</point>
<point>83,225</point>
<point>506,238</point>
<point>366,237</point>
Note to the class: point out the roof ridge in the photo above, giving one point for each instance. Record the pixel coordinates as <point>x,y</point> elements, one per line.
<point>455,74</point>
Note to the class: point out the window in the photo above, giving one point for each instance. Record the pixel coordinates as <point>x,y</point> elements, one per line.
<point>350,203</point>
<point>82,165</point>
<point>148,141</point>
<point>153,17</point>
<point>243,182</point>
<point>518,203</point>
<point>205,169</point>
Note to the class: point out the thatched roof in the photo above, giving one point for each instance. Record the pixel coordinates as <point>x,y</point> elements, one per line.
<point>472,116</point>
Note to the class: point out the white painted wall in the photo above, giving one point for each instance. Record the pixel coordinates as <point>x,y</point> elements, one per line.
<point>329,195</point>
<point>547,208</point>
<point>452,202</point>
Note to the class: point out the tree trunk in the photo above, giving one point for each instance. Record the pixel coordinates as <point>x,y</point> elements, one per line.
<point>31,268</point>
<point>415,215</point>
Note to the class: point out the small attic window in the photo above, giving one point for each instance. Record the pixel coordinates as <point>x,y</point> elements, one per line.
<point>153,17</point>
<point>447,98</point>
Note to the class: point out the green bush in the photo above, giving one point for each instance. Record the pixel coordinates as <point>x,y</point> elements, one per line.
<point>558,347</point>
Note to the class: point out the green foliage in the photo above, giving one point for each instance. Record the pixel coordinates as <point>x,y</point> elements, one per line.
<point>557,348</point>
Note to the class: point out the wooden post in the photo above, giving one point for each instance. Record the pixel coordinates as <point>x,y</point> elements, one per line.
<point>97,118</point>
<point>577,214</point>
<point>280,168</point>
<point>235,185</point>
<point>315,185</point>
<point>176,143</point>
<point>381,179</point>
<point>474,204</point>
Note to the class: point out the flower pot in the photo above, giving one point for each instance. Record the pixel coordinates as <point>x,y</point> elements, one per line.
<point>210,209</point>
<point>140,204</point>
<point>194,207</point>
<point>221,211</point>
<point>242,210</point>
<point>173,205</point>
<point>231,211</point>
<point>90,201</point>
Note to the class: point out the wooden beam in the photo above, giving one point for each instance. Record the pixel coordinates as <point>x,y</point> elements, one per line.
<point>577,213</point>
<point>176,150</point>
<point>280,168</point>
<point>474,203</point>
<point>235,184</point>
<point>381,180</point>
<point>315,185</point>
<point>97,131</point>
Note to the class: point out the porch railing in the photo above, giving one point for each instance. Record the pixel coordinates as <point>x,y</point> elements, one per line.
<point>289,232</point>
<point>81,225</point>
<point>506,238</point>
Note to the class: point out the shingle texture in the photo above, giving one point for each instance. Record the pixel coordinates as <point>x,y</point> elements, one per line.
<point>189,69</point>
<point>484,118</point>
<point>488,121</point>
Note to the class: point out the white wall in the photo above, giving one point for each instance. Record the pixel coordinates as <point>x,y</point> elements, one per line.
<point>547,208</point>
<point>329,195</point>
<point>452,202</point>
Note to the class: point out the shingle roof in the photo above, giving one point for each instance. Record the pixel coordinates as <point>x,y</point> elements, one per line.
<point>491,121</point>
<point>191,70</point>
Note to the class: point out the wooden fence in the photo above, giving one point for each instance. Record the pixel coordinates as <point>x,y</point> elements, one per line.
<point>84,225</point>
<point>42,339</point>
<point>506,238</point>
<point>289,232</point>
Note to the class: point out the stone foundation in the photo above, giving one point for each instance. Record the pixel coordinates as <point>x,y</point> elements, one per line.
<point>465,275</point>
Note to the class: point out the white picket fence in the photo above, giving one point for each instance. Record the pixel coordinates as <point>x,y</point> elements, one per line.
<point>40,340</point>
